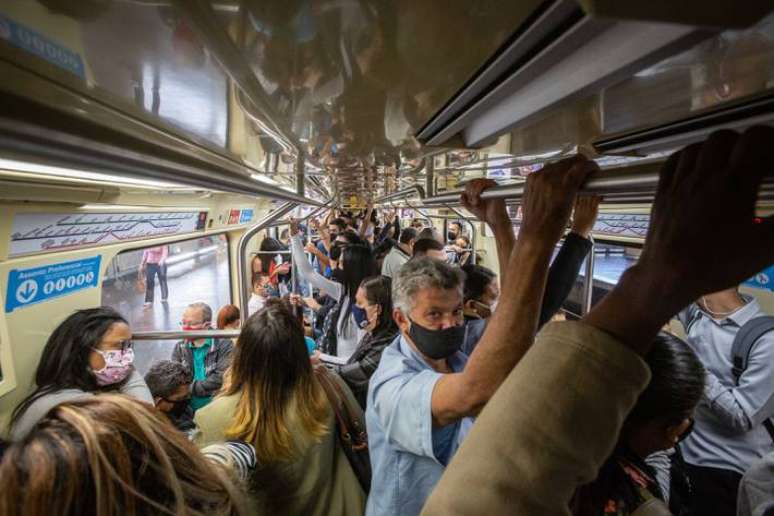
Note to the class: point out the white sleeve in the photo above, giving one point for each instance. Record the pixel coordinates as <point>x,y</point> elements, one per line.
<point>308,274</point>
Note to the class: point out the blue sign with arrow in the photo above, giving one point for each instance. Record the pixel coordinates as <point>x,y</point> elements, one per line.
<point>763,280</point>
<point>30,286</point>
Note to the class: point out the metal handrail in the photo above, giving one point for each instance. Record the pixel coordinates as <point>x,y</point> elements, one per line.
<point>244,287</point>
<point>182,334</point>
<point>600,183</point>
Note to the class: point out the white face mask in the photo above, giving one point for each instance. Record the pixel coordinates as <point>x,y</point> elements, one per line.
<point>493,306</point>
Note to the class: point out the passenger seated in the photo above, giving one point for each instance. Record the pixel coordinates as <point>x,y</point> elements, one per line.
<point>430,247</point>
<point>228,318</point>
<point>206,358</point>
<point>373,312</point>
<point>273,400</point>
<point>90,352</point>
<point>555,419</point>
<point>170,384</point>
<point>112,455</point>
<point>662,417</point>
<point>425,392</point>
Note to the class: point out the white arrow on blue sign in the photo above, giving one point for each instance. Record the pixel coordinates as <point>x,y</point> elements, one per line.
<point>39,284</point>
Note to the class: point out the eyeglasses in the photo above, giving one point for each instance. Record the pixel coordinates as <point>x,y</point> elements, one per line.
<point>189,324</point>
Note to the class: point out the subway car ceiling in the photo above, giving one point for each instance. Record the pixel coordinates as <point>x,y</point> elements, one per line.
<point>339,103</point>
<point>126,124</point>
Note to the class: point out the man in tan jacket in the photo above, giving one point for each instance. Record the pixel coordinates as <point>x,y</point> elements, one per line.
<point>556,418</point>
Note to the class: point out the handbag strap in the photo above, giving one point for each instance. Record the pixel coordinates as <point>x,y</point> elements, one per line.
<point>349,426</point>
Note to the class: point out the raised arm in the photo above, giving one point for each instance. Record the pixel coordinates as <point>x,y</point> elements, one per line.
<point>367,220</point>
<point>561,410</point>
<point>577,244</point>
<point>547,204</point>
<point>496,216</point>
<point>304,268</point>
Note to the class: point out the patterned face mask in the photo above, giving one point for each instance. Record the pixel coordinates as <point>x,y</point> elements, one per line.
<point>118,364</point>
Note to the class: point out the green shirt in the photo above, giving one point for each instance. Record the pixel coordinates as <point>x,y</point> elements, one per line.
<point>199,371</point>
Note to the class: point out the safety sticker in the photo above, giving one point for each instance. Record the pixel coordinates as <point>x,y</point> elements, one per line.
<point>38,44</point>
<point>30,286</point>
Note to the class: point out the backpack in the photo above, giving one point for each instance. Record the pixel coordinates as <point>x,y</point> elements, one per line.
<point>741,349</point>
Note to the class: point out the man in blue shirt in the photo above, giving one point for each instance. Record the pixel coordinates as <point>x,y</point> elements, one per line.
<point>425,392</point>
<point>729,435</point>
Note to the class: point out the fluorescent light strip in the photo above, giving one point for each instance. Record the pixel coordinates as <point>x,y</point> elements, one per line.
<point>126,207</point>
<point>81,175</point>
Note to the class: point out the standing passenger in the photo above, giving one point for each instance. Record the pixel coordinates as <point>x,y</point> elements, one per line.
<point>154,263</point>
<point>110,456</point>
<point>273,401</point>
<point>373,313</point>
<point>88,353</point>
<point>424,394</point>
<point>399,254</point>
<point>429,247</point>
<point>341,333</point>
<point>662,417</point>
<point>555,419</point>
<point>206,358</point>
<point>731,422</point>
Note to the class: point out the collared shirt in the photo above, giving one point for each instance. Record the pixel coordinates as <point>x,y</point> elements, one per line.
<point>394,261</point>
<point>729,433</point>
<point>408,454</point>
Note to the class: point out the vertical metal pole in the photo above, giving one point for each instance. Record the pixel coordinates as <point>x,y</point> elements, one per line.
<point>430,177</point>
<point>588,283</point>
<point>300,164</point>
<point>242,263</point>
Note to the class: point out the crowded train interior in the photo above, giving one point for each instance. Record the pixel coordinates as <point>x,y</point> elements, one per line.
<point>362,257</point>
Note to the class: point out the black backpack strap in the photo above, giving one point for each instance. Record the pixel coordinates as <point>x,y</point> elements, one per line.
<point>742,347</point>
<point>745,340</point>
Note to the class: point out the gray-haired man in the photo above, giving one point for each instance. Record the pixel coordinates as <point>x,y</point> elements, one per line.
<point>425,392</point>
<point>207,358</point>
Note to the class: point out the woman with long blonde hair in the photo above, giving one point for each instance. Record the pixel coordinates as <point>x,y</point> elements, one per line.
<point>111,455</point>
<point>272,400</point>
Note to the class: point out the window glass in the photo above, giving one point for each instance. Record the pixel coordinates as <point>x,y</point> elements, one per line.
<point>610,262</point>
<point>180,273</point>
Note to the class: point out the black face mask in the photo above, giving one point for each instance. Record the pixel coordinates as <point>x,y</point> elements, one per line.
<point>179,408</point>
<point>337,275</point>
<point>437,344</point>
<point>335,251</point>
<point>451,235</point>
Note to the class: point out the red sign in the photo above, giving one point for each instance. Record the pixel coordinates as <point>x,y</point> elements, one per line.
<point>233,217</point>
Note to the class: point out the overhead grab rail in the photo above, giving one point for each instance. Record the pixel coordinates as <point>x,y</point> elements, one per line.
<point>614,185</point>
<point>182,334</point>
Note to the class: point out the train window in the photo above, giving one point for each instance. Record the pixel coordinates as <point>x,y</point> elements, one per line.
<point>153,296</point>
<point>610,262</point>
<point>7,377</point>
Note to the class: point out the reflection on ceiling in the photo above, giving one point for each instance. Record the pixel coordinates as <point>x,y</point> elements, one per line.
<point>349,82</point>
